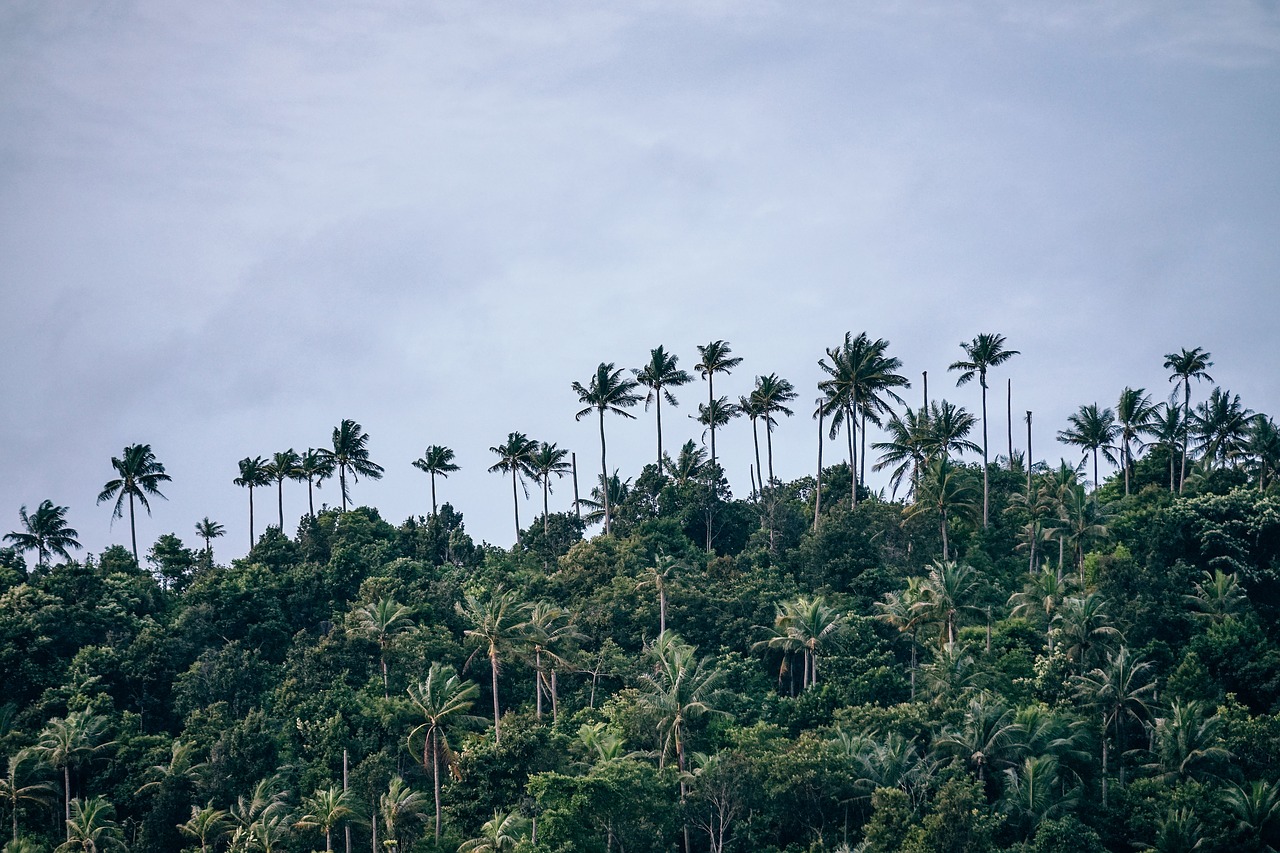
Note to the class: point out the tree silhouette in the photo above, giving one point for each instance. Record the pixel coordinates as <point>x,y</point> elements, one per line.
<point>253,473</point>
<point>44,531</point>
<point>1094,431</point>
<point>607,391</point>
<point>286,465</point>
<point>437,459</point>
<point>209,530</point>
<point>350,453</point>
<point>660,375</point>
<point>1185,365</point>
<point>715,357</point>
<point>515,458</point>
<point>982,353</point>
<point>443,700</point>
<point>140,475</point>
<point>545,462</point>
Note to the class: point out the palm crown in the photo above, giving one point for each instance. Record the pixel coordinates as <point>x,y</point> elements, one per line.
<point>436,460</point>
<point>350,453</point>
<point>45,531</point>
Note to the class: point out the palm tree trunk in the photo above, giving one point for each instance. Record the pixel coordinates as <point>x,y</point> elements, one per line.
<point>711,396</point>
<point>537,680</point>
<point>133,533</point>
<point>945,554</point>
<point>252,538</point>
<point>342,484</point>
<point>66,796</point>
<point>817,491</point>
<point>1010,416</point>
<point>493,666</point>
<point>435,777</point>
<point>657,395</point>
<point>986,488</point>
<point>755,438</point>
<point>1186,431</point>
<point>546,491</point>
<point>311,505</point>
<point>515,502</point>
<point>768,440</point>
<point>850,428</point>
<point>862,473</point>
<point>1096,481</point>
<point>433,494</point>
<point>604,474</point>
<point>280,502</point>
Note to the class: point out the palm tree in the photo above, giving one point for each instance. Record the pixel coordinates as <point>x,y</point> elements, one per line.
<point>946,430</point>
<point>1042,593</point>
<point>1093,431</point>
<point>906,448</point>
<point>253,472</point>
<point>65,743</point>
<point>500,834</point>
<point>209,530</point>
<point>1135,415</point>
<point>1218,596</point>
<point>1083,626</point>
<point>400,804</point>
<point>284,466</point>
<point>547,633</point>
<point>443,701</point>
<point>900,610</point>
<point>1169,433</point>
<point>663,570</point>
<point>772,393</point>
<point>607,391</point>
<point>660,375</point>
<point>498,626</point>
<point>1223,426</point>
<point>351,453</point>
<point>1121,689</point>
<point>988,735</point>
<point>1034,793</point>
<point>139,475</point>
<point>1187,365</point>
<point>982,353</point>
<point>811,623</point>
<point>713,415</point>
<point>544,462</point>
<point>206,825</point>
<point>945,594</point>
<point>45,531</point>
<point>606,499</point>
<point>437,459</point>
<point>946,490</point>
<point>688,464</point>
<point>748,405</point>
<point>714,358</point>
<point>324,810</point>
<point>315,467</point>
<point>91,828</point>
<point>1189,743</point>
<point>14,793</point>
<point>1256,807</point>
<point>258,817</point>
<point>1264,449</point>
<point>515,458</point>
<point>380,621</point>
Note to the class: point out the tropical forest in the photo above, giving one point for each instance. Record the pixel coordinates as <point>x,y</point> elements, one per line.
<point>1071,644</point>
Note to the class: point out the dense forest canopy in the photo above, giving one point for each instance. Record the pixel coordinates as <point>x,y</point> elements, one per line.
<point>993,653</point>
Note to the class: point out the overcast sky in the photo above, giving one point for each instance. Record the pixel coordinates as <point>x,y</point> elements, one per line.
<point>226,227</point>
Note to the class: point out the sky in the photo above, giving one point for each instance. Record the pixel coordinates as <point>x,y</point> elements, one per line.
<point>226,227</point>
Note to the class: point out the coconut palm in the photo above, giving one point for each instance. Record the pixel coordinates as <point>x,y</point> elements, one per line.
<point>1043,592</point>
<point>437,459</point>
<point>1222,425</point>
<point>750,406</point>
<point>44,531</point>
<point>1264,449</point>
<point>1189,743</point>
<point>398,806</point>
<point>984,352</point>
<point>812,624</point>
<point>607,391</point>
<point>350,454</point>
<point>1135,414</point>
<point>91,828</point>
<point>716,414</point>
<point>659,575</point>
<point>209,530</point>
<point>380,621</point>
<point>988,736</point>
<point>503,833</point>
<point>771,394</point>
<point>286,465</point>
<point>946,430</point>
<point>443,701</point>
<point>906,448</point>
<point>140,475</point>
<point>324,810</point>
<point>316,467</point>
<point>69,742</point>
<point>1185,365</point>
<point>1122,689</point>
<point>1255,806</point>
<point>544,463</point>
<point>605,501</point>
<point>1218,596</point>
<point>1094,431</point>
<point>1034,793</point>
<point>259,817</point>
<point>206,825</point>
<point>900,610</point>
<point>1168,431</point>
<point>514,458</point>
<point>253,473</point>
<point>498,627</point>
<point>945,595</point>
<point>714,358</point>
<point>660,375</point>
<point>946,490</point>
<point>688,464</point>
<point>548,633</point>
<point>16,788</point>
<point>1083,626</point>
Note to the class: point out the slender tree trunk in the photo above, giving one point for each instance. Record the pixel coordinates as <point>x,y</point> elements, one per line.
<point>817,490</point>
<point>280,502</point>
<point>346,825</point>
<point>1124,453</point>
<point>577,507</point>
<point>66,797</point>
<point>657,395</point>
<point>862,473</point>
<point>711,396</point>
<point>252,539</point>
<point>133,533</point>
<point>342,485</point>
<point>515,501</point>
<point>604,476</point>
<point>434,511</point>
<point>311,505</point>
<point>1104,761</point>
<point>755,438</point>
<point>768,440</point>
<point>1186,431</point>
<point>662,608</point>
<point>537,681</point>
<point>546,492</point>
<point>493,666</point>
<point>986,488</point>
<point>945,553</point>
<point>1010,415</point>
<point>851,427</point>
<point>1096,481</point>
<point>1029,462</point>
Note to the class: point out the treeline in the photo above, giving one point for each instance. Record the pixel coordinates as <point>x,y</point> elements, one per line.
<point>1002,659</point>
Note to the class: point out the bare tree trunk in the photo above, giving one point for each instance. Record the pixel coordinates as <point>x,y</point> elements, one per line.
<point>986,488</point>
<point>817,492</point>
<point>577,507</point>
<point>604,475</point>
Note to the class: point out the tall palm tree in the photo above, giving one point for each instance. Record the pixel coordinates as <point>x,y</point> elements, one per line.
<point>606,499</point>
<point>1094,431</point>
<point>607,391</point>
<point>259,817</point>
<point>748,405</point>
<point>14,793</point>
<point>1169,433</point>
<point>140,475</point>
<point>714,415</point>
<point>1185,365</point>
<point>984,352</point>
<point>946,490</point>
<point>286,465</point>
<point>442,701</point>
<point>660,375</point>
<point>44,531</point>
<point>209,530</point>
<point>812,624</point>
<point>497,626</point>
<point>1122,689</point>
<point>688,464</point>
<point>399,805</point>
<point>350,453</point>
<point>1264,449</point>
<point>548,633</point>
<point>714,358</point>
<point>316,467</point>
<point>945,595</point>
<point>66,743</point>
<point>545,462</point>
<point>659,574</point>
<point>906,448</point>
<point>324,810</point>
<point>1222,424</point>
<point>900,610</point>
<point>1084,627</point>
<point>253,473</point>
<point>946,430</point>
<point>437,459</point>
<point>380,621</point>
<point>515,458</point>
<point>772,393</point>
<point>1135,414</point>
